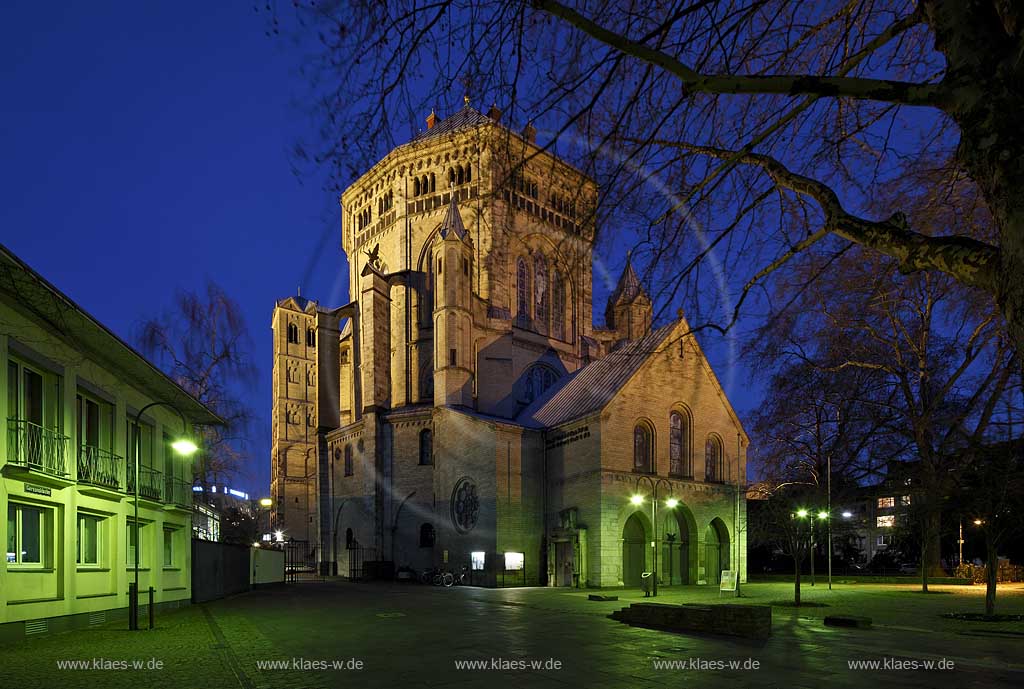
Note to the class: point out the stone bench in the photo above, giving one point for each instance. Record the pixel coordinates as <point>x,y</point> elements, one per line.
<point>749,621</point>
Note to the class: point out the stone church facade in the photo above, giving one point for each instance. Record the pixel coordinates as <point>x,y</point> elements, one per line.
<point>464,411</point>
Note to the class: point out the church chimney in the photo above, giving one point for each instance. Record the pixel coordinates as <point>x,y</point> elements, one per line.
<point>530,133</point>
<point>431,119</point>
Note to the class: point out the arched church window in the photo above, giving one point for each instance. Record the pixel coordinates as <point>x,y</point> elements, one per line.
<point>348,460</point>
<point>311,338</point>
<point>713,460</point>
<point>451,177</point>
<point>522,293</point>
<point>293,333</point>
<point>643,448</point>
<point>416,187</point>
<point>426,446</point>
<point>350,540</point>
<point>679,444</point>
<point>469,173</point>
<point>541,296</point>
<point>460,175</point>
<point>538,379</point>
<point>427,386</point>
<point>558,305</point>
<point>433,183</point>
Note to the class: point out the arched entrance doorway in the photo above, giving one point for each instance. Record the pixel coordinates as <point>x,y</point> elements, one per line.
<point>674,557</point>
<point>716,550</point>
<point>634,545</point>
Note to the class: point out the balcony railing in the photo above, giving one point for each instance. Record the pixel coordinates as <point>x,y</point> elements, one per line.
<point>37,448</point>
<point>151,483</point>
<point>178,492</point>
<point>99,467</point>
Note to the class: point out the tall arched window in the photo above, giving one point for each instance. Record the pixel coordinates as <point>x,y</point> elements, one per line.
<point>643,448</point>
<point>451,177</point>
<point>416,187</point>
<point>541,296</point>
<point>538,379</point>
<point>348,460</point>
<point>426,446</point>
<point>424,184</point>
<point>293,333</point>
<point>427,536</point>
<point>350,540</point>
<point>469,173</point>
<point>433,183</point>
<point>713,460</point>
<point>460,175</point>
<point>679,444</point>
<point>558,306</point>
<point>311,338</point>
<point>522,293</point>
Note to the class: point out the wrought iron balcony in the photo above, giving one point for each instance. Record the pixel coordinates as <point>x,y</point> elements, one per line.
<point>151,483</point>
<point>36,448</point>
<point>98,467</point>
<point>178,492</point>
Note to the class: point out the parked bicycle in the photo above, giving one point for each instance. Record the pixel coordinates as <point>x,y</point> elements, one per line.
<point>443,577</point>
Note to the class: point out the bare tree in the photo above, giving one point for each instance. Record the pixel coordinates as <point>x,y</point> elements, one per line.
<point>991,491</point>
<point>769,126</point>
<point>203,344</point>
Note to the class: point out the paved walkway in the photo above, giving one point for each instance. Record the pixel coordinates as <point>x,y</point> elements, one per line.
<point>413,636</point>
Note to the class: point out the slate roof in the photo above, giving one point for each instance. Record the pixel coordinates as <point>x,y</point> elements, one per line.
<point>463,119</point>
<point>592,387</point>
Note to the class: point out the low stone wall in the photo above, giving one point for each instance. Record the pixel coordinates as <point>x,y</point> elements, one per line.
<point>749,621</point>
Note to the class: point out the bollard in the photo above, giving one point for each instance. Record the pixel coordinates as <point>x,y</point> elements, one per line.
<point>151,611</point>
<point>133,607</point>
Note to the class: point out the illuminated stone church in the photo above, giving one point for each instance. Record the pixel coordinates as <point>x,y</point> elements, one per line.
<point>464,410</point>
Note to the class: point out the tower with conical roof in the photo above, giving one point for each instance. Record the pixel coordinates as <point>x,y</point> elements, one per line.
<point>628,312</point>
<point>453,319</point>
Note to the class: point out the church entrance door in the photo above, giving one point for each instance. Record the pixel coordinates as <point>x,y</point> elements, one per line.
<point>634,545</point>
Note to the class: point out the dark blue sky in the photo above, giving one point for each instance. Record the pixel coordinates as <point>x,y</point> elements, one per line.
<point>145,150</point>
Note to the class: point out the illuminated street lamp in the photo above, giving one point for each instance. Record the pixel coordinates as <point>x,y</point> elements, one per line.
<point>847,514</point>
<point>266,502</point>
<point>638,499</point>
<point>185,447</point>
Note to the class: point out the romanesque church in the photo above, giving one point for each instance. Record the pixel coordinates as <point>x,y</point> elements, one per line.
<point>464,411</point>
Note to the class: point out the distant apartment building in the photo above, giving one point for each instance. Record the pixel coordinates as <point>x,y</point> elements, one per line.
<point>70,391</point>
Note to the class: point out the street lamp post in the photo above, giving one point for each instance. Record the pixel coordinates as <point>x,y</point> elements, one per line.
<point>638,499</point>
<point>184,447</point>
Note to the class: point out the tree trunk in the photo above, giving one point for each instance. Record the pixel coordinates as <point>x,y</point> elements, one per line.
<point>991,573</point>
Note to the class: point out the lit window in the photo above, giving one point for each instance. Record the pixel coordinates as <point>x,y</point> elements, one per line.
<point>88,539</point>
<point>886,502</point>
<point>905,500</point>
<point>514,561</point>
<point>886,520</point>
<point>476,560</point>
<point>26,534</point>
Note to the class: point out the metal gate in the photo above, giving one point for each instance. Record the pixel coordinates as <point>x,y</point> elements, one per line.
<point>299,559</point>
<point>356,556</point>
